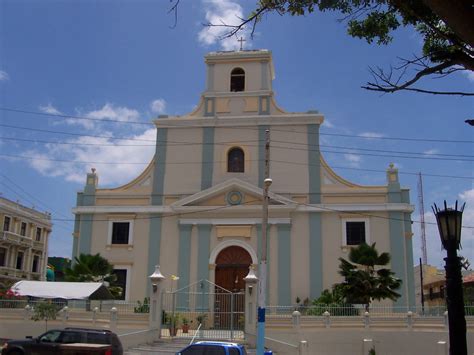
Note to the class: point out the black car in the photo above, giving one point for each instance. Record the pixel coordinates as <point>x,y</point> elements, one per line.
<point>50,342</point>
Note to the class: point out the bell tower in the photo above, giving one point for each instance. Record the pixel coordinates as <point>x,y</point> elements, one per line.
<point>239,83</point>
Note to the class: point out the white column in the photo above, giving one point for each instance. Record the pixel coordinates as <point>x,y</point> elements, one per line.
<point>251,293</point>
<point>154,320</point>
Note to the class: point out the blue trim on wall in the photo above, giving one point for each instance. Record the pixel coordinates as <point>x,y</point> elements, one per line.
<point>405,196</point>
<point>314,164</point>
<point>315,255</point>
<point>209,107</point>
<point>284,264</point>
<point>160,163</point>
<point>261,154</point>
<point>85,234</point>
<point>397,252</point>
<point>154,244</point>
<point>409,261</point>
<point>184,264</point>
<point>264,105</point>
<point>207,168</point>
<point>204,243</point>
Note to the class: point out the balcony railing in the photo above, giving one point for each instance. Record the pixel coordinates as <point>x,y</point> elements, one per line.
<point>21,240</point>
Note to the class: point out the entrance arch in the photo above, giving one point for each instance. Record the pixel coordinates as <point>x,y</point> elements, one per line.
<point>232,265</point>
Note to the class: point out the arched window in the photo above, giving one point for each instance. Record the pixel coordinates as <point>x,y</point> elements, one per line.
<point>235,160</point>
<point>237,80</point>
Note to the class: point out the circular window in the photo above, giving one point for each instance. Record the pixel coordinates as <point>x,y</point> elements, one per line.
<point>234,198</point>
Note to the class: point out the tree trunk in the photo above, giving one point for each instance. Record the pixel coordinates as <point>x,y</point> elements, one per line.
<point>457,14</point>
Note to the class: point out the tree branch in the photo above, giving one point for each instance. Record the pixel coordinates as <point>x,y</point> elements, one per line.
<point>384,83</point>
<point>174,9</point>
<point>234,29</point>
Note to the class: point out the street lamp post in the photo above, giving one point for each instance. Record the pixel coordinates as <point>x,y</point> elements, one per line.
<point>262,286</point>
<point>449,225</point>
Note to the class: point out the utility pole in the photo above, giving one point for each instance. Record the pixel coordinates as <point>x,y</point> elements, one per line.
<point>422,289</point>
<point>262,289</point>
<point>421,205</point>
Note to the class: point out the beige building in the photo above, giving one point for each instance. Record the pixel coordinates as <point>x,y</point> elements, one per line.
<point>24,243</point>
<point>196,209</point>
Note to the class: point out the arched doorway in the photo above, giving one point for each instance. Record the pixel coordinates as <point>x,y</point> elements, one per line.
<point>232,265</point>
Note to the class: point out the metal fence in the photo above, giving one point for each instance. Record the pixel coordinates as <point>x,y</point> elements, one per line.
<point>122,307</point>
<point>217,312</point>
<point>358,310</point>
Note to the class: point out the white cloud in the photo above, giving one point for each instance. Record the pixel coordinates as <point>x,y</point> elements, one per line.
<point>4,75</point>
<point>371,135</point>
<point>110,112</point>
<point>431,151</point>
<point>107,112</point>
<point>353,159</point>
<point>50,109</point>
<point>101,150</point>
<point>158,106</point>
<point>470,75</point>
<point>327,123</point>
<point>220,13</point>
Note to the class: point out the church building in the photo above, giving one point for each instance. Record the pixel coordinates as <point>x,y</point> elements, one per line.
<point>196,210</point>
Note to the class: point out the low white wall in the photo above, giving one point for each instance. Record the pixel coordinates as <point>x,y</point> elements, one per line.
<point>343,341</point>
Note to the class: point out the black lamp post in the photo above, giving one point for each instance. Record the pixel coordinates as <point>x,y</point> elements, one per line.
<point>449,225</point>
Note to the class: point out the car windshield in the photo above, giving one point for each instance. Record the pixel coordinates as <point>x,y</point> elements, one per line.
<point>204,350</point>
<point>50,337</point>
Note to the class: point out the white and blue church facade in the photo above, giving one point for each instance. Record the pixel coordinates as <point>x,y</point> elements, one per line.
<point>196,210</point>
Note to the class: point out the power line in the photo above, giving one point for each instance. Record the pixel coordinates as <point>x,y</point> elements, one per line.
<point>65,222</point>
<point>220,161</point>
<point>60,115</point>
<point>350,149</point>
<point>360,136</point>
<point>31,196</point>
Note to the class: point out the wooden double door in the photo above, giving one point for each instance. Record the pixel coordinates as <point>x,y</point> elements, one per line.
<point>232,265</point>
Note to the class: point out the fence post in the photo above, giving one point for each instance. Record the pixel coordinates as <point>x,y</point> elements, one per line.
<point>27,312</point>
<point>94,315</point>
<point>446,323</point>
<point>156,294</point>
<point>65,315</point>
<point>251,292</point>
<point>367,345</point>
<point>366,319</point>
<point>410,319</point>
<point>442,348</point>
<point>303,348</point>
<point>113,319</point>
<point>296,317</point>
<point>327,319</point>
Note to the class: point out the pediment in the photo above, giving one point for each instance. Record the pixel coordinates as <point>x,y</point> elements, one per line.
<point>232,192</point>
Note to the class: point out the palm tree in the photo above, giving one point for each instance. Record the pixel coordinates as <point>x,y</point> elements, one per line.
<point>366,279</point>
<point>93,268</point>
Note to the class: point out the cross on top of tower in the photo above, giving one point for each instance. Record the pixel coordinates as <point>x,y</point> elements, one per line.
<point>241,40</point>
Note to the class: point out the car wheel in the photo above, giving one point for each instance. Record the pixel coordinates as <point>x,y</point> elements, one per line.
<point>15,352</point>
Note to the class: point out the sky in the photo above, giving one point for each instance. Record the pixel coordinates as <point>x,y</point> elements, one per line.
<point>130,61</point>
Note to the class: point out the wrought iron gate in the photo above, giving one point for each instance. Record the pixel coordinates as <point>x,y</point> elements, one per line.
<point>203,310</point>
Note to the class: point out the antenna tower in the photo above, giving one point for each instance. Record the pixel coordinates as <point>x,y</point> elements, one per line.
<point>421,204</point>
